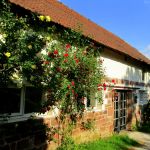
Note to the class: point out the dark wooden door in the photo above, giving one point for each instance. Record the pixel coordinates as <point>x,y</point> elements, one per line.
<point>120,110</point>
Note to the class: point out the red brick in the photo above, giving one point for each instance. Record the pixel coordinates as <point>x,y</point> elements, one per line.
<point>110,111</point>
<point>54,122</point>
<point>101,117</point>
<point>103,120</point>
<point>102,129</point>
<point>90,115</point>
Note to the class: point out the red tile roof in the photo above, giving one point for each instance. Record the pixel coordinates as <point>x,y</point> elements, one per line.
<point>66,17</point>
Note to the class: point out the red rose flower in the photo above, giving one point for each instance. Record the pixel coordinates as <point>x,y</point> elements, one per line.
<point>68,46</point>
<point>66,55</point>
<point>104,88</point>
<point>77,61</point>
<point>113,81</point>
<point>72,83</point>
<point>104,85</point>
<point>55,52</point>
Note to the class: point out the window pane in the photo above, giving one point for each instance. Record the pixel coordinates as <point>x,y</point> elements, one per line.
<point>124,104</point>
<point>116,115</point>
<point>122,96</point>
<point>121,122</point>
<point>116,123</point>
<point>116,105</point>
<point>124,119</point>
<point>121,105</point>
<point>124,112</point>
<point>9,100</point>
<point>33,98</point>
<point>121,113</point>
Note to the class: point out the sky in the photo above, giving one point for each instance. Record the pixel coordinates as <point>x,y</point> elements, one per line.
<point>128,19</point>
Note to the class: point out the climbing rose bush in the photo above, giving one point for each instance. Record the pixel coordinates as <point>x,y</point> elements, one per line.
<point>62,63</point>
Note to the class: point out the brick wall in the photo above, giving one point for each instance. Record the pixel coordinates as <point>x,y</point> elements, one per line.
<point>32,134</point>
<point>134,116</point>
<point>27,135</point>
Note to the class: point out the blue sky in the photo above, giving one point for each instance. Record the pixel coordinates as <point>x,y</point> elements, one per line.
<point>128,19</point>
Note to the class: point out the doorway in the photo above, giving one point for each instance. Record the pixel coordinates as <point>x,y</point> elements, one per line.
<point>120,110</point>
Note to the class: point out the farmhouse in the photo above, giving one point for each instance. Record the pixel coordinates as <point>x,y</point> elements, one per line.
<point>126,87</point>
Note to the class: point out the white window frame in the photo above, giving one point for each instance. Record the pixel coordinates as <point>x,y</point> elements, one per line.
<point>21,115</point>
<point>96,105</point>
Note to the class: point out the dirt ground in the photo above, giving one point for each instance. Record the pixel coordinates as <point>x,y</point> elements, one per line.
<point>142,138</point>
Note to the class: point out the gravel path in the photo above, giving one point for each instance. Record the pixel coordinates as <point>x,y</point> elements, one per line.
<point>142,138</point>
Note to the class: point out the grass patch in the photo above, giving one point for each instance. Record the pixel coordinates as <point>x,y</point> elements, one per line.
<point>116,142</point>
<point>87,136</point>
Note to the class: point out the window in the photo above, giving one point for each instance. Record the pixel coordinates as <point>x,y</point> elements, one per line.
<point>93,101</point>
<point>10,101</point>
<point>33,98</point>
<point>90,101</point>
<point>19,101</point>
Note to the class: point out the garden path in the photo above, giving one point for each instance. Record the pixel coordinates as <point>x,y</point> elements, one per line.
<point>142,138</point>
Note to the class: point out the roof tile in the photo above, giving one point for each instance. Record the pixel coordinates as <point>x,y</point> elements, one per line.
<point>66,17</point>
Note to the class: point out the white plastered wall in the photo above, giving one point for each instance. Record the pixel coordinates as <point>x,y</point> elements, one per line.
<point>115,66</point>
<point>116,69</point>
